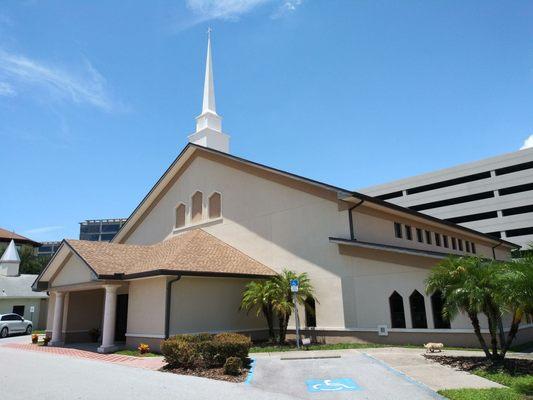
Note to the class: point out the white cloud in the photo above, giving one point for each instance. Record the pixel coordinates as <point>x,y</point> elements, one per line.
<point>44,229</point>
<point>288,6</point>
<point>7,90</point>
<point>87,87</point>
<point>528,143</point>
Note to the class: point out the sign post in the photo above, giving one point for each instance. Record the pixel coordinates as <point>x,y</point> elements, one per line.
<point>294,290</point>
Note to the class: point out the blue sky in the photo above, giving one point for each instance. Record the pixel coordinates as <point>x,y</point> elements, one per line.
<point>97,98</point>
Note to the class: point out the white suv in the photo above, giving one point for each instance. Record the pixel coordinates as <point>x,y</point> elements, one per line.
<point>13,323</point>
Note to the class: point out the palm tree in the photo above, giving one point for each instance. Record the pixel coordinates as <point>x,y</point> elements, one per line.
<point>459,280</point>
<point>259,296</point>
<point>516,295</point>
<point>282,301</point>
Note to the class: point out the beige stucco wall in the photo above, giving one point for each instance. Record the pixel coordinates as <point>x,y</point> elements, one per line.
<point>283,227</point>
<point>74,271</point>
<point>210,305</point>
<point>6,306</point>
<point>146,307</point>
<point>84,311</point>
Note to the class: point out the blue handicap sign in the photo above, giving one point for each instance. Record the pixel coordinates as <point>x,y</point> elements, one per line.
<point>331,385</point>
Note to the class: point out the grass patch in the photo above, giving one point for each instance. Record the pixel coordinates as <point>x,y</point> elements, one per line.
<point>481,394</point>
<point>38,332</point>
<point>266,348</point>
<point>522,384</point>
<point>135,353</point>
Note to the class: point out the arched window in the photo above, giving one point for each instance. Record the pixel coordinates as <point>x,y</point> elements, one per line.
<point>180,215</point>
<point>310,312</point>
<point>214,206</point>
<point>397,313</point>
<point>418,310</point>
<point>437,303</point>
<point>196,209</point>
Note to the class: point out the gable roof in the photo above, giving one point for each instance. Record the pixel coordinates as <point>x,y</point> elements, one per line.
<point>190,149</point>
<point>194,252</point>
<point>6,237</point>
<point>18,287</point>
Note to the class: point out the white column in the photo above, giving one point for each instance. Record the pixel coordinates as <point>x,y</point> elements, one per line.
<point>57,334</point>
<point>110,310</point>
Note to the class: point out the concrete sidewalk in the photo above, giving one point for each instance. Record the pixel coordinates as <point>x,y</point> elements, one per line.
<point>411,363</point>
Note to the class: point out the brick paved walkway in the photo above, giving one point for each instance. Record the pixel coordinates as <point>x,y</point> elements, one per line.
<point>153,363</point>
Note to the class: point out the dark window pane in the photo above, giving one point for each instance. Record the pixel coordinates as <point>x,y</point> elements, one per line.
<point>437,239</point>
<point>90,236</point>
<point>418,310</point>
<point>460,243</point>
<point>419,235</point>
<point>445,241</point>
<point>106,237</point>
<point>408,232</point>
<point>397,230</point>
<point>437,304</point>
<point>454,243</point>
<point>110,227</point>
<point>310,312</point>
<point>474,248</point>
<point>93,228</point>
<point>467,245</point>
<point>19,310</point>
<point>428,237</point>
<point>396,311</point>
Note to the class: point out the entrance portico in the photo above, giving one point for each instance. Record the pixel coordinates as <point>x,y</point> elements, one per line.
<point>82,308</point>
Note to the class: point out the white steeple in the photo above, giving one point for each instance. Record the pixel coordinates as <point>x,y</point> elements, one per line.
<point>10,261</point>
<point>209,123</point>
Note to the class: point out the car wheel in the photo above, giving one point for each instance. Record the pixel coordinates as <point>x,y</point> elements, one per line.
<point>3,332</point>
<point>29,329</point>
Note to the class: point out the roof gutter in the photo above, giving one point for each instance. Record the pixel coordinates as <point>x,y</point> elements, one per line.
<point>350,218</point>
<point>167,306</point>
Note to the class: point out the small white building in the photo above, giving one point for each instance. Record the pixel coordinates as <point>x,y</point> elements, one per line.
<point>16,294</point>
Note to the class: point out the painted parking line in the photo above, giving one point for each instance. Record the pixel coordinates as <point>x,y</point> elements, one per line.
<point>331,385</point>
<point>250,372</point>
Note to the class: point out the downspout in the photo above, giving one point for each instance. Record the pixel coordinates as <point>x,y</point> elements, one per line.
<point>350,219</point>
<point>167,306</point>
<point>493,251</point>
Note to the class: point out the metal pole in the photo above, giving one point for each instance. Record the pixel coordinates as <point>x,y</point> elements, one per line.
<point>297,320</point>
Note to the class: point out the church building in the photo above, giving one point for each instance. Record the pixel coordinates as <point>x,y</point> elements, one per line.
<point>215,221</point>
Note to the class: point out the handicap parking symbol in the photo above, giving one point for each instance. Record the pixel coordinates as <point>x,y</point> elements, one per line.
<point>331,385</point>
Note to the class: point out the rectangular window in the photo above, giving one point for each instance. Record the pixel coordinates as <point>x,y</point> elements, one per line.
<point>460,243</point>
<point>437,239</point>
<point>398,230</point>
<point>454,243</point>
<point>445,241</point>
<point>473,247</point>
<point>408,232</point>
<point>428,237</point>
<point>18,310</point>
<point>467,245</point>
<point>419,235</point>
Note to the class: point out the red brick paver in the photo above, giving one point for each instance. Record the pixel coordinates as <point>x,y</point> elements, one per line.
<point>153,363</point>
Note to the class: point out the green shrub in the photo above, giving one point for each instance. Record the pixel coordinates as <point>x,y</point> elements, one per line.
<point>233,366</point>
<point>180,353</point>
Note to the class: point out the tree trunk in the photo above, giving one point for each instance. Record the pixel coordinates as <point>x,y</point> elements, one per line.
<point>493,336</point>
<point>517,318</point>
<point>269,316</point>
<point>477,330</point>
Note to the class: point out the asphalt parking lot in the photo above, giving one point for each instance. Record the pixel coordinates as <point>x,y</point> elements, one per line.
<point>346,376</point>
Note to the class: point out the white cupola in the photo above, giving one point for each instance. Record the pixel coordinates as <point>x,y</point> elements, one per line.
<point>10,261</point>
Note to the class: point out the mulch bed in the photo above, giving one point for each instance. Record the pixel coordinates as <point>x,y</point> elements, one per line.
<point>510,365</point>
<point>211,373</point>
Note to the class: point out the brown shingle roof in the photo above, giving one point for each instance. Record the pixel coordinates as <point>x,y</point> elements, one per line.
<point>193,252</point>
<point>6,236</point>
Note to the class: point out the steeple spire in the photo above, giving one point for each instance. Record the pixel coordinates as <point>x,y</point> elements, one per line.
<point>10,261</point>
<point>209,123</point>
<point>209,104</point>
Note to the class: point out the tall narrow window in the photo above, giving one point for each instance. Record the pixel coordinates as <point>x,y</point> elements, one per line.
<point>310,312</point>
<point>445,241</point>
<point>418,310</point>
<point>397,313</point>
<point>474,248</point>
<point>454,243</point>
<point>398,230</point>
<point>180,215</point>
<point>428,237</point>
<point>460,243</point>
<point>419,235</point>
<point>467,245</point>
<point>214,206</point>
<point>437,304</point>
<point>408,233</point>
<point>196,209</point>
<point>437,239</point>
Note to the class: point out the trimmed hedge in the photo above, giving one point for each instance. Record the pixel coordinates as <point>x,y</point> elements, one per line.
<point>204,350</point>
<point>233,366</point>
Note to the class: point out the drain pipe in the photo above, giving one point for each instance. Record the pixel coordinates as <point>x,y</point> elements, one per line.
<point>493,251</point>
<point>167,309</point>
<point>350,219</point>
